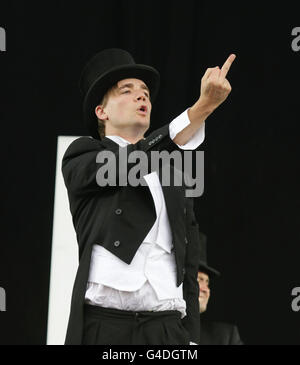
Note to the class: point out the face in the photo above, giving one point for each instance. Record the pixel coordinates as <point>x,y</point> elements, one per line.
<point>204,291</point>
<point>128,108</point>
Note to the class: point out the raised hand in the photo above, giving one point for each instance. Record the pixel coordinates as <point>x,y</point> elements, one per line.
<point>214,90</point>
<point>214,86</point>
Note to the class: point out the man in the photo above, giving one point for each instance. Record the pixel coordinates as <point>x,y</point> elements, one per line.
<point>212,333</point>
<point>137,276</point>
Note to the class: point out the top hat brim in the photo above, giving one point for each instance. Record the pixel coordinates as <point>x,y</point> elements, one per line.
<point>203,267</point>
<point>102,84</point>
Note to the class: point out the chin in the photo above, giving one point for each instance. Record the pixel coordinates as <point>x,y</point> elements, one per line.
<point>143,123</point>
<point>202,306</point>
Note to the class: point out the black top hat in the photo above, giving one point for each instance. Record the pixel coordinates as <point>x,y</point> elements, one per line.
<point>102,72</point>
<point>203,267</point>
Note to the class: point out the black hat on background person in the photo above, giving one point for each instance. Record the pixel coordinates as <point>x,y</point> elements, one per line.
<point>205,274</point>
<point>102,72</point>
<point>203,266</point>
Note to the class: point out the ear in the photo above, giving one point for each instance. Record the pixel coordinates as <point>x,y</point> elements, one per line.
<point>100,113</point>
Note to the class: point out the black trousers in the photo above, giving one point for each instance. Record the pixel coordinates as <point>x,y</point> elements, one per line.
<point>105,326</point>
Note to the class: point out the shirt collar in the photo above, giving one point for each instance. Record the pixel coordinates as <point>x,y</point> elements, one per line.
<point>119,140</point>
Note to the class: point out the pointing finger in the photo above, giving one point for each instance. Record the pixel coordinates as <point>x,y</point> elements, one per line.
<point>225,68</point>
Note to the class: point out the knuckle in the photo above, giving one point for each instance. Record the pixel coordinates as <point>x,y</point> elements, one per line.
<point>228,87</point>
<point>212,83</point>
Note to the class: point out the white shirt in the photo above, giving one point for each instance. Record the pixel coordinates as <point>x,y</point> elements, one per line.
<point>148,283</point>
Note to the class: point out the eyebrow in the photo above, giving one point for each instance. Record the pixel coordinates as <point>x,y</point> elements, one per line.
<point>143,86</point>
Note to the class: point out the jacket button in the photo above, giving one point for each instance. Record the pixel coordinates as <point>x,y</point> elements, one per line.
<point>186,240</point>
<point>183,271</point>
<point>117,243</point>
<point>184,211</point>
<point>118,211</point>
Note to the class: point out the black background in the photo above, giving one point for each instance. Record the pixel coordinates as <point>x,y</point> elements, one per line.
<point>250,208</point>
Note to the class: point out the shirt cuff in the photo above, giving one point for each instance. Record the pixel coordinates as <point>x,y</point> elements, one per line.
<point>181,122</point>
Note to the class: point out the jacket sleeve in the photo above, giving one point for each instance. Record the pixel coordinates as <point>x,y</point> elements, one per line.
<point>190,284</point>
<point>80,166</point>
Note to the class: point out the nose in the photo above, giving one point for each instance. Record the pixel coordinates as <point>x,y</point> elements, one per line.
<point>140,96</point>
<point>203,288</point>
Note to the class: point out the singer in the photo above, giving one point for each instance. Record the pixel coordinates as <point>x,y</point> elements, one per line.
<point>136,282</point>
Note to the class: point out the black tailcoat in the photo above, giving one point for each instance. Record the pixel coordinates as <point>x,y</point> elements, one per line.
<point>119,218</point>
<point>219,333</point>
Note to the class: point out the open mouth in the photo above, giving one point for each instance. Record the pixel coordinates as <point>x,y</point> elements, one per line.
<point>143,109</point>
